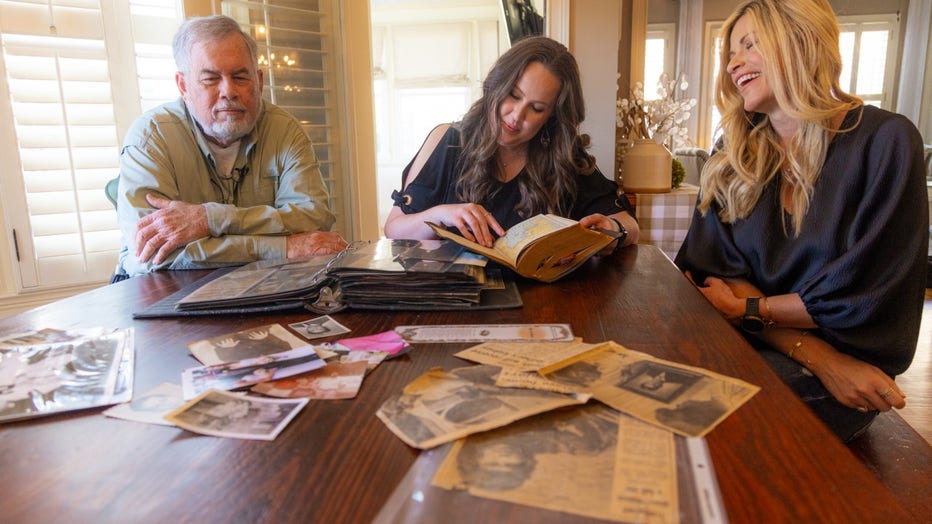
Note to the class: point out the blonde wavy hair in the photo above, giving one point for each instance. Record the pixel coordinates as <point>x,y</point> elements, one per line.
<point>798,40</point>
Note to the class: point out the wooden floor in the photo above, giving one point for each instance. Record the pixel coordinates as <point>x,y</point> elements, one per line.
<point>917,381</point>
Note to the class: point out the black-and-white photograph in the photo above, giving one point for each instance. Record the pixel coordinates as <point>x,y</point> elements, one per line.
<point>91,370</point>
<point>248,343</point>
<point>319,327</point>
<point>40,336</point>
<point>523,18</point>
<point>224,414</point>
<point>658,381</point>
<point>151,406</point>
<point>442,406</point>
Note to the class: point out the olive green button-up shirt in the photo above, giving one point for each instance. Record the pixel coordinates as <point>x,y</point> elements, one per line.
<point>276,188</point>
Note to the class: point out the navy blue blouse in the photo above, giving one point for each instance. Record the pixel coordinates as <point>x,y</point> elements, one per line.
<point>860,262</point>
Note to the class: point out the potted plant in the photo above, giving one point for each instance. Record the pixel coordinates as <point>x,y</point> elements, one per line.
<point>646,132</point>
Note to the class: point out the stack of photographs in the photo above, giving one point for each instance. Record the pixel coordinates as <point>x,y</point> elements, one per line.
<point>400,273</point>
<point>51,371</point>
<point>382,274</point>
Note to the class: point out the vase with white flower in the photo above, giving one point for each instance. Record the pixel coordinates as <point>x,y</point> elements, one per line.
<point>647,130</point>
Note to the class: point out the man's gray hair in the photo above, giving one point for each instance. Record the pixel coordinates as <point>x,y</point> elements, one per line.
<point>205,28</point>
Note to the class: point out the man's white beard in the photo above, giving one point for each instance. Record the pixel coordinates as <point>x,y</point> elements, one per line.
<point>228,131</point>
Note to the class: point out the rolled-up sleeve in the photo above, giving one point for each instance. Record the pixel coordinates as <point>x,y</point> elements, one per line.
<point>281,192</point>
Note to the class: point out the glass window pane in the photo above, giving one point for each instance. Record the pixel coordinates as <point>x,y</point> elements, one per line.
<point>872,61</point>
<point>653,66</point>
<point>846,43</point>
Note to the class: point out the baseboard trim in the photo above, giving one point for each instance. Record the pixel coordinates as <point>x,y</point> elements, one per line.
<point>15,304</point>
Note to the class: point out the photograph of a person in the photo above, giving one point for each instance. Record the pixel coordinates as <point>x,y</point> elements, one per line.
<point>95,369</point>
<point>224,414</point>
<point>562,460</point>
<point>235,375</point>
<point>658,381</point>
<point>41,336</point>
<point>523,18</point>
<point>150,406</point>
<point>319,327</point>
<point>452,404</point>
<point>504,459</point>
<point>438,250</point>
<point>241,345</point>
<point>331,382</point>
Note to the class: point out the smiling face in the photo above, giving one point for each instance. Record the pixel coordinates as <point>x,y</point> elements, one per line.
<point>222,88</point>
<point>528,106</point>
<point>747,71</point>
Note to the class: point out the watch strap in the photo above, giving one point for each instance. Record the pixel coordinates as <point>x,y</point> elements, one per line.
<point>752,307</point>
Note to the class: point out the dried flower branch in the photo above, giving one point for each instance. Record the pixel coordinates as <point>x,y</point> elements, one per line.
<point>662,119</point>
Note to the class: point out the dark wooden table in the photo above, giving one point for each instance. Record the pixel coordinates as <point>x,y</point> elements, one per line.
<point>336,462</point>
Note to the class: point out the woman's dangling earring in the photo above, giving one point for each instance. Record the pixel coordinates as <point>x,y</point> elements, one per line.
<point>545,137</point>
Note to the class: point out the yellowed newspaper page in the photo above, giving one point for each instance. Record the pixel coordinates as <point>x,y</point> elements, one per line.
<point>442,406</point>
<point>687,400</point>
<point>645,487</point>
<point>574,461</point>
<point>542,357</point>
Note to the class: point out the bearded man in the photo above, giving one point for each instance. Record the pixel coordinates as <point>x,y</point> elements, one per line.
<point>219,177</point>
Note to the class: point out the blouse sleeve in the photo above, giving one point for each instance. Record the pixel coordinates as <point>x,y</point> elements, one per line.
<point>597,194</point>
<point>859,265</point>
<point>708,248</point>
<point>436,182</point>
<point>870,297</point>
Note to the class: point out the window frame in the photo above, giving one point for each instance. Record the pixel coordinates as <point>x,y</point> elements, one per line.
<point>859,24</point>
<point>665,32</point>
<point>395,150</point>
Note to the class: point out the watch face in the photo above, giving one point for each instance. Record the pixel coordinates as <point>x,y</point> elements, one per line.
<point>752,324</point>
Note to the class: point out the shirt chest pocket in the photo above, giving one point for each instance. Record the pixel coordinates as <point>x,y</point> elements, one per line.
<point>259,190</point>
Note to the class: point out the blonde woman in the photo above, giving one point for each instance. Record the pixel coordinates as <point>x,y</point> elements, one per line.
<point>810,229</point>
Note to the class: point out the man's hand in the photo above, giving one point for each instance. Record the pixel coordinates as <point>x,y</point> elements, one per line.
<point>304,245</point>
<point>175,224</point>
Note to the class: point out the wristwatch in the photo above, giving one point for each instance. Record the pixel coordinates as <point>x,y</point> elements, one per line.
<point>622,233</point>
<point>752,322</point>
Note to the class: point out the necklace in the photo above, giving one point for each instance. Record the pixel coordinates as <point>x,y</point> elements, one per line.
<point>502,168</point>
<point>505,174</point>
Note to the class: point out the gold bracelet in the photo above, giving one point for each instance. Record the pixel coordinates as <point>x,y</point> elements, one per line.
<point>768,317</point>
<point>798,346</point>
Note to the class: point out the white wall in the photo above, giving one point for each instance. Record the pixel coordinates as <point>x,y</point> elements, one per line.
<point>594,37</point>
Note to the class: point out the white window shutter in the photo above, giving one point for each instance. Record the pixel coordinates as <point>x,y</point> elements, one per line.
<point>301,58</point>
<point>74,75</point>
<point>58,62</point>
<point>59,94</point>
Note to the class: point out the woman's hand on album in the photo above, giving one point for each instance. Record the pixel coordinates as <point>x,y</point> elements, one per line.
<point>472,220</point>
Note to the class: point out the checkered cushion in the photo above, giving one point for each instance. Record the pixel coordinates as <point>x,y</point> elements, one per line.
<point>664,217</point>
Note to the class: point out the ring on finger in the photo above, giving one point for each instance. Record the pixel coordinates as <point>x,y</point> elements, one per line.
<point>886,393</point>
<point>862,409</point>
